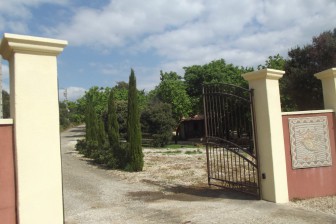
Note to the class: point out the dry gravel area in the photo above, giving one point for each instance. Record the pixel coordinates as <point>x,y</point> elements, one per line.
<point>323,204</point>
<point>172,188</point>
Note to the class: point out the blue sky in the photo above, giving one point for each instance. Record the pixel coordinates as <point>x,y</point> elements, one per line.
<point>109,37</point>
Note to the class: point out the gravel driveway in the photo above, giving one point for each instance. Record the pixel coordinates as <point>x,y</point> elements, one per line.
<point>96,195</point>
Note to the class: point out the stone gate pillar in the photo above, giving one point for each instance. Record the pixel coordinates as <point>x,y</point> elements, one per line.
<point>328,78</point>
<point>34,109</point>
<point>269,133</point>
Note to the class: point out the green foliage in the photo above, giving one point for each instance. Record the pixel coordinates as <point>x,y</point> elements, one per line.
<point>75,116</point>
<point>120,92</point>
<point>112,126</point>
<point>177,146</point>
<point>172,90</point>
<point>102,136</point>
<point>173,152</point>
<point>279,63</point>
<point>105,112</point>
<point>113,133</point>
<point>98,97</point>
<point>135,154</point>
<point>91,123</point>
<point>64,115</point>
<point>5,104</point>
<point>121,107</point>
<point>214,72</point>
<point>274,62</point>
<point>157,121</point>
<point>87,148</point>
<point>299,83</point>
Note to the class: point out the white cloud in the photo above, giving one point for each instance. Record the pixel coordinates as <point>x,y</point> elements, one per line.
<point>15,14</point>
<point>126,20</point>
<point>147,77</point>
<point>72,93</point>
<point>246,34</point>
<point>180,32</point>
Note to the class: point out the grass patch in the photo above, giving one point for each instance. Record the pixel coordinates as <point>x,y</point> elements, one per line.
<point>198,151</point>
<point>172,152</point>
<point>178,146</point>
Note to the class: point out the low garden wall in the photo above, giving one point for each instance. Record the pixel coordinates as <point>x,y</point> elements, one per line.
<point>7,173</point>
<point>309,139</point>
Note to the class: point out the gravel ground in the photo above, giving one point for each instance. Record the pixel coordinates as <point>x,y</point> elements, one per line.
<point>322,204</point>
<point>171,189</point>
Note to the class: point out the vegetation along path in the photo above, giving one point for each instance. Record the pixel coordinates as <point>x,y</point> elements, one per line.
<point>171,189</point>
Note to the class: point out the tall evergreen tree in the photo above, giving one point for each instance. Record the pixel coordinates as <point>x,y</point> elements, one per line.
<point>135,154</point>
<point>102,138</point>
<point>117,156</point>
<point>112,126</point>
<point>91,123</point>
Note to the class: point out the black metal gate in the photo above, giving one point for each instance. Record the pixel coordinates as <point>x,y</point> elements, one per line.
<point>231,150</point>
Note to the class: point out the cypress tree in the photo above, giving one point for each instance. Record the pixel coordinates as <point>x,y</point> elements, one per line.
<point>90,146</point>
<point>113,126</point>
<point>91,123</point>
<point>116,156</point>
<point>135,154</point>
<point>101,134</point>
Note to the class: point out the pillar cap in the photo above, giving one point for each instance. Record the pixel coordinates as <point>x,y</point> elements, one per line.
<point>329,73</point>
<point>266,73</point>
<point>13,43</point>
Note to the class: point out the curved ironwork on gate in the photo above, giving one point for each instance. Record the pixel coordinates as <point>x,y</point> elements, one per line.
<point>231,149</point>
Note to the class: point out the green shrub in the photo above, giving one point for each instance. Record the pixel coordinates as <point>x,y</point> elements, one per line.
<point>157,121</point>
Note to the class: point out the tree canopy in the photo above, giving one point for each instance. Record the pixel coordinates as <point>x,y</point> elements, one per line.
<point>304,90</point>
<point>172,90</point>
<point>214,72</point>
<point>179,96</point>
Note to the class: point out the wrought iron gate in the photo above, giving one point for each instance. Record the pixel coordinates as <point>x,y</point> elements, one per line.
<point>231,150</point>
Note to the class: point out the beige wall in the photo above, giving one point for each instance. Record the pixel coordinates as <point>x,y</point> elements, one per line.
<point>34,108</point>
<point>269,133</point>
<point>328,78</point>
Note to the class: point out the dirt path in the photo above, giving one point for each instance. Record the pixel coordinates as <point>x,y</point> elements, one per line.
<point>170,190</point>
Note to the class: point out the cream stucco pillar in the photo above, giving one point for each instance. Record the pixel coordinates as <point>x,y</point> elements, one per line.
<point>34,109</point>
<point>269,130</point>
<point>328,78</point>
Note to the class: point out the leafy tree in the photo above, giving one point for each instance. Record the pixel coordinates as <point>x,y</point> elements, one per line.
<point>172,90</point>
<point>75,115</point>
<point>279,63</point>
<point>98,97</point>
<point>157,120</point>
<point>216,71</point>
<point>304,90</point>
<point>135,154</point>
<point>5,104</point>
<point>274,62</point>
<point>120,92</point>
<point>64,115</point>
